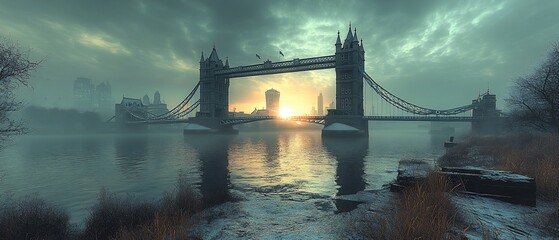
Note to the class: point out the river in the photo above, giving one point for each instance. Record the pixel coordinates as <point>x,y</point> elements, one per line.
<point>274,167</point>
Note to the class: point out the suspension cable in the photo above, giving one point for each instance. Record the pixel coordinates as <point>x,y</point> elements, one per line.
<point>179,107</point>
<point>410,107</point>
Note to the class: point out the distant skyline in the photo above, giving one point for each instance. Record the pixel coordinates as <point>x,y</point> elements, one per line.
<point>433,53</point>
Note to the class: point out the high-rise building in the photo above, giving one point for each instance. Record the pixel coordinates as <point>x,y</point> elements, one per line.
<point>272,102</point>
<point>83,93</point>
<point>320,105</point>
<point>103,97</point>
<point>156,98</point>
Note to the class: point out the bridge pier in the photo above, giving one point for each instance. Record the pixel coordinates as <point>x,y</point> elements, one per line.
<point>208,125</point>
<point>345,126</point>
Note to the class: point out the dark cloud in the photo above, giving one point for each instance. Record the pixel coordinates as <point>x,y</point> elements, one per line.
<point>435,53</point>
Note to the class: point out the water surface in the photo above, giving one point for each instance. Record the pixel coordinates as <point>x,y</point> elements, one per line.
<point>276,167</point>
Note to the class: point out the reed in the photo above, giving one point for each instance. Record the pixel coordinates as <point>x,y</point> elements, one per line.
<point>533,155</point>
<point>112,217</point>
<point>33,218</point>
<point>425,210</point>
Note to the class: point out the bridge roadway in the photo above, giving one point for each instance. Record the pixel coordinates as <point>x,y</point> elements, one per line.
<point>268,67</point>
<point>319,119</point>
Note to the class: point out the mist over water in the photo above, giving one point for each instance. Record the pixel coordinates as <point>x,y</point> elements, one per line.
<point>299,166</point>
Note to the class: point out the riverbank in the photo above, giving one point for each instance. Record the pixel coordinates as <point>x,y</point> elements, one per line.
<point>112,217</point>
<point>434,209</point>
<point>533,155</point>
<point>426,210</point>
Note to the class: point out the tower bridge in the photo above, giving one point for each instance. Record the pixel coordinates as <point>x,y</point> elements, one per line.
<point>347,118</point>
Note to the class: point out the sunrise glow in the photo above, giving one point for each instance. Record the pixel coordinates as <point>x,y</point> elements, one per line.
<point>285,112</point>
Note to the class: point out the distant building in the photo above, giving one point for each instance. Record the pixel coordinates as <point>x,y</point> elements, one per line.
<point>145,100</point>
<point>313,111</point>
<point>260,112</point>
<point>157,108</point>
<point>103,97</point>
<point>83,94</point>
<point>272,102</point>
<point>88,97</point>
<point>156,98</point>
<point>320,105</point>
<point>130,109</point>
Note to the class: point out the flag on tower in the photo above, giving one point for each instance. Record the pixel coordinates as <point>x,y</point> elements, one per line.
<point>281,54</point>
<point>258,56</point>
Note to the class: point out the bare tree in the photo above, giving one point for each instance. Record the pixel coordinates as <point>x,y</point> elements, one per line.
<point>534,99</point>
<point>15,67</point>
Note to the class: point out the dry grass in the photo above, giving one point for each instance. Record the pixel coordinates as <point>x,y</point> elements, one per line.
<point>161,227</point>
<point>111,218</point>
<point>33,218</point>
<point>424,211</point>
<point>536,156</point>
<point>538,159</point>
<point>113,214</point>
<point>173,218</point>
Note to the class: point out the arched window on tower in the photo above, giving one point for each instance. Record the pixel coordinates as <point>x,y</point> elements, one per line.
<point>346,104</point>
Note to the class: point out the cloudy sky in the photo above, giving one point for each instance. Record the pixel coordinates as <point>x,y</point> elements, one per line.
<point>434,53</point>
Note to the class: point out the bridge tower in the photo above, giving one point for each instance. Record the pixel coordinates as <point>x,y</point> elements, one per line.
<point>487,119</point>
<point>347,118</point>
<point>214,95</point>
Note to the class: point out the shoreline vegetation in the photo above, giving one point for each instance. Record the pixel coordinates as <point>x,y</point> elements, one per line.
<point>424,211</point>
<point>536,156</point>
<point>533,155</point>
<point>112,217</point>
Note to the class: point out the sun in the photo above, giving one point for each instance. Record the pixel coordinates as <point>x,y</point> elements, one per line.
<point>285,112</point>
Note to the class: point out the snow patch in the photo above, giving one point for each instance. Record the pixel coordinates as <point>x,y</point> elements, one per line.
<point>503,220</point>
<point>290,219</point>
<point>193,126</point>
<point>339,127</point>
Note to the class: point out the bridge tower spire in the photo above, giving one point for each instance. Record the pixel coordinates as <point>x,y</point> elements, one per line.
<point>338,43</point>
<point>349,37</point>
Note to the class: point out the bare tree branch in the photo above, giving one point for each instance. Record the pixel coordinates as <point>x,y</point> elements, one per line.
<point>15,69</point>
<point>534,99</point>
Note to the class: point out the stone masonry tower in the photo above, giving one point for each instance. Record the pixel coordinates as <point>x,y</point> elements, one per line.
<point>350,61</point>
<point>347,119</point>
<point>214,89</point>
<point>214,97</point>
